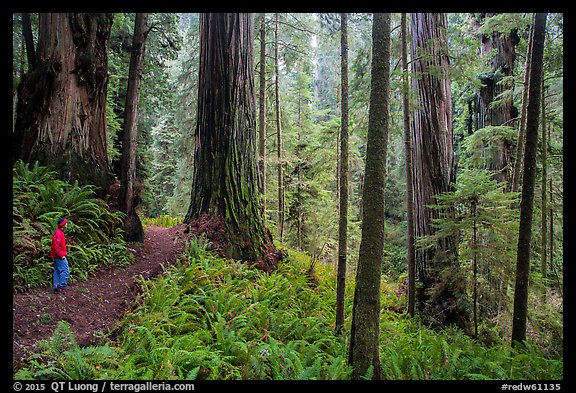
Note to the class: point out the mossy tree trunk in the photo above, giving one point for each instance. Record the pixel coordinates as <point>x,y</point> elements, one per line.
<point>279,134</point>
<point>364,335</point>
<point>343,216</point>
<point>411,257</point>
<point>225,180</point>
<point>544,194</point>
<point>129,191</point>
<point>528,181</point>
<point>61,109</point>
<point>262,116</point>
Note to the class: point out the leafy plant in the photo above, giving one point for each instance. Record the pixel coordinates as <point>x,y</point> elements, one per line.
<point>218,319</point>
<point>94,234</point>
<point>162,221</point>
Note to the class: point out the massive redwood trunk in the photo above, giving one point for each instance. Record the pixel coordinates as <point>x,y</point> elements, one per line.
<point>495,108</point>
<point>61,111</point>
<point>225,198</point>
<point>434,170</point>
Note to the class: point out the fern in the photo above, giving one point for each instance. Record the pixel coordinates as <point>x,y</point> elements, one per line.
<point>94,233</point>
<point>60,357</point>
<point>211,318</point>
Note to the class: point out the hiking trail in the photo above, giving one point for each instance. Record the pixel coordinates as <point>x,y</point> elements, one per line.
<point>91,307</point>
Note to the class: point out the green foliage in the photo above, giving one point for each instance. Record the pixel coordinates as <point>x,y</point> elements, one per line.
<point>163,220</point>
<point>503,23</point>
<point>216,319</point>
<point>484,219</point>
<point>408,351</point>
<point>394,262</point>
<point>60,357</point>
<point>211,318</point>
<point>483,144</point>
<point>94,234</point>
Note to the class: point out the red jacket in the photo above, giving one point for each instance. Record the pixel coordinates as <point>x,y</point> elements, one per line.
<point>58,244</point>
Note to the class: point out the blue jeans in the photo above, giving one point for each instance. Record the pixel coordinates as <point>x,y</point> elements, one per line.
<point>61,273</point>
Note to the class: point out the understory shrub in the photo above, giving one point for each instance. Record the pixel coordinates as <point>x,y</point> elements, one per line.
<point>93,237</point>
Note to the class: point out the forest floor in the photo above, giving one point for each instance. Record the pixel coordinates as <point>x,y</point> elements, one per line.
<point>91,307</point>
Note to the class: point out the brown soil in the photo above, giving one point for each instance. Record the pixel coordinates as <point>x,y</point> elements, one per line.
<point>91,307</point>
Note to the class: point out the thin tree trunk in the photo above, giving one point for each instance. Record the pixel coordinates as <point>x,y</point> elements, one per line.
<point>262,116</point>
<point>343,175</point>
<point>279,137</point>
<point>129,192</point>
<point>551,214</point>
<point>28,39</point>
<point>544,192</point>
<point>528,180</point>
<point>475,267</point>
<point>364,336</point>
<point>411,257</point>
<point>299,173</point>
<point>522,126</point>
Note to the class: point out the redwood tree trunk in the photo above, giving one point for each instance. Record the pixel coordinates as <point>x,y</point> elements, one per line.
<point>129,192</point>
<point>433,159</point>
<point>501,48</point>
<point>225,194</point>
<point>61,110</point>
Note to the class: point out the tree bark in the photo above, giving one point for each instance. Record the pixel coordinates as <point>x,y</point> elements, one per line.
<point>61,110</point>
<point>343,208</point>
<point>501,48</point>
<point>225,192</point>
<point>262,116</point>
<point>28,39</point>
<point>434,170</point>
<point>528,180</point>
<point>129,191</point>
<point>279,137</point>
<point>365,331</point>
<point>544,192</point>
<point>522,126</point>
<point>411,253</point>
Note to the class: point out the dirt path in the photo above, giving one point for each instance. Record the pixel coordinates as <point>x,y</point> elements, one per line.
<point>91,307</point>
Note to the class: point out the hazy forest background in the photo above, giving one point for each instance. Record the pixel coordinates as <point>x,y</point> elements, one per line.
<point>298,90</point>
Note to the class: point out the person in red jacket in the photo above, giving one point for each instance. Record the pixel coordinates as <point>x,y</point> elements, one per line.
<point>58,252</point>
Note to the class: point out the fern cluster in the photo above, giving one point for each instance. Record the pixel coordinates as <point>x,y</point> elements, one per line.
<point>94,234</point>
<point>409,351</point>
<point>60,357</point>
<point>163,220</point>
<point>213,318</point>
<point>218,319</point>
